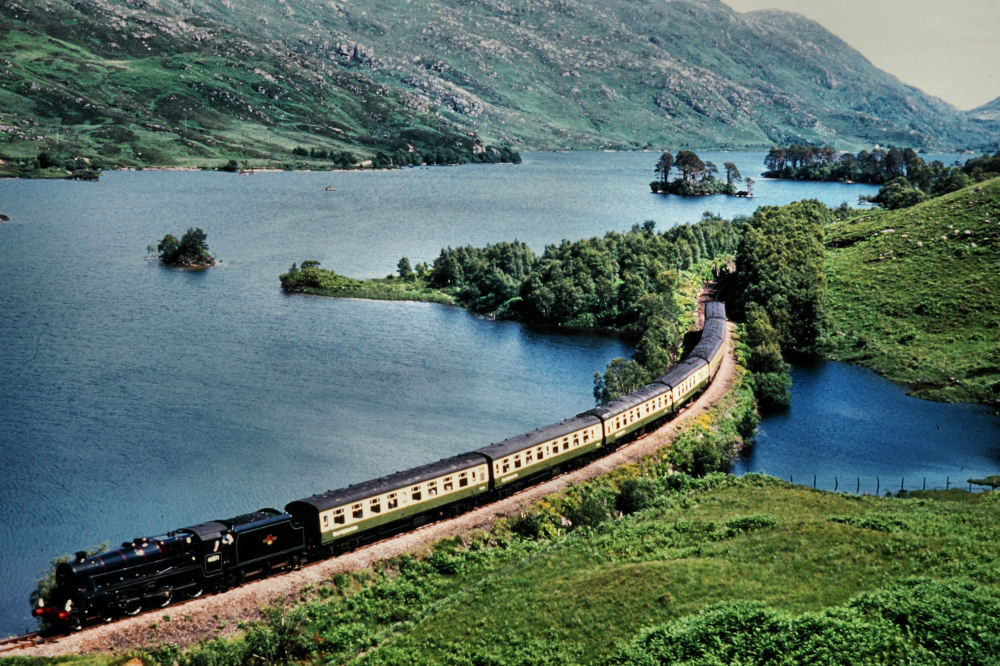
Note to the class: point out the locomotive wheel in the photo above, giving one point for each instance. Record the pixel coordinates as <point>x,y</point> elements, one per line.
<point>132,608</point>
<point>196,591</point>
<point>163,599</point>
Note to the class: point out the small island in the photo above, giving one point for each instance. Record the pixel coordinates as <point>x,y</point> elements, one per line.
<point>191,251</point>
<point>697,178</point>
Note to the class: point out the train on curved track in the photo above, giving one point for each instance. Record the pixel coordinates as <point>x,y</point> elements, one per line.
<point>150,572</point>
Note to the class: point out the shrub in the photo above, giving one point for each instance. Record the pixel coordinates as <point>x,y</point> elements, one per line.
<point>590,510</point>
<point>773,390</point>
<point>636,494</point>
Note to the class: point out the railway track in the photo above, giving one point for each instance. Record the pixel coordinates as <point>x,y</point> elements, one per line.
<point>19,642</point>
<point>244,602</point>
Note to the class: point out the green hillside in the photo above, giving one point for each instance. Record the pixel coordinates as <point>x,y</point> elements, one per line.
<point>716,565</point>
<point>171,82</point>
<point>192,98</point>
<point>915,294</point>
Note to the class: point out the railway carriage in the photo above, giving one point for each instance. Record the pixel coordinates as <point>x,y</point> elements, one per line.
<point>633,412</point>
<point>341,519</point>
<point>685,379</point>
<point>520,460</point>
<point>715,310</point>
<point>713,337</point>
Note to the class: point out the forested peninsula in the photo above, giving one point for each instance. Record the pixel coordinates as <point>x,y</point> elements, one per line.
<point>905,177</point>
<point>847,284</point>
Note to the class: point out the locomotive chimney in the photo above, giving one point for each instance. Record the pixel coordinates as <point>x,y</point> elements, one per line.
<point>81,555</point>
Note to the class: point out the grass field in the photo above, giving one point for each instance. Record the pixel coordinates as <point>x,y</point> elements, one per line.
<point>915,294</point>
<point>580,595</point>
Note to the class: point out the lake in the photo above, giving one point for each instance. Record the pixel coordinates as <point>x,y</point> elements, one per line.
<point>136,399</point>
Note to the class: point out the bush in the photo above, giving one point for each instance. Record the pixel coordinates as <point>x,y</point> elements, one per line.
<point>636,494</point>
<point>773,390</point>
<point>590,510</point>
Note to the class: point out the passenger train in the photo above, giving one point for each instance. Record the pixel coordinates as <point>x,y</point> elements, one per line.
<point>150,572</point>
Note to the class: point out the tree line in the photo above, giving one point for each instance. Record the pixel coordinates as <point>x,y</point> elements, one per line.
<point>905,177</point>
<point>781,292</point>
<point>409,155</point>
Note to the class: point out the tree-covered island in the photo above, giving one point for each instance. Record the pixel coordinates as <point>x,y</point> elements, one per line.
<point>697,178</point>
<point>191,251</point>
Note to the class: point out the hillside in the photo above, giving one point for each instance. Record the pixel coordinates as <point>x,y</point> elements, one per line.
<point>914,294</point>
<point>170,81</point>
<point>987,117</point>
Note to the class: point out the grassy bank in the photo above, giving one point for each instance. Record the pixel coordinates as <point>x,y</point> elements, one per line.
<point>915,294</point>
<point>322,282</point>
<point>580,595</point>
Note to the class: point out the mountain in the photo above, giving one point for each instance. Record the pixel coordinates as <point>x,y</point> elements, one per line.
<point>192,80</point>
<point>986,117</point>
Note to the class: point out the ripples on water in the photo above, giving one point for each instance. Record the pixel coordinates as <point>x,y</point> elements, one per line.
<point>136,399</point>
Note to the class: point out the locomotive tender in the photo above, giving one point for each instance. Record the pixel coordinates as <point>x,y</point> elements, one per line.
<point>150,572</point>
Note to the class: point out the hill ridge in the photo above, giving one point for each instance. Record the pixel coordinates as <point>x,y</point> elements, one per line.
<point>257,78</point>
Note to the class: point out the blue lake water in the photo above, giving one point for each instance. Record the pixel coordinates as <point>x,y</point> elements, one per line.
<point>135,399</point>
<point>851,430</point>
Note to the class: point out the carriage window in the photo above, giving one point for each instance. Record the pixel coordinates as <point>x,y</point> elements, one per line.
<point>586,436</point>
<point>527,457</point>
<point>326,520</point>
<point>376,506</point>
<point>540,452</point>
<point>358,511</point>
<point>576,440</point>
<point>448,485</point>
<point>338,517</point>
<point>392,502</point>
<point>517,461</point>
<point>415,493</point>
<point>432,490</point>
<point>506,465</point>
